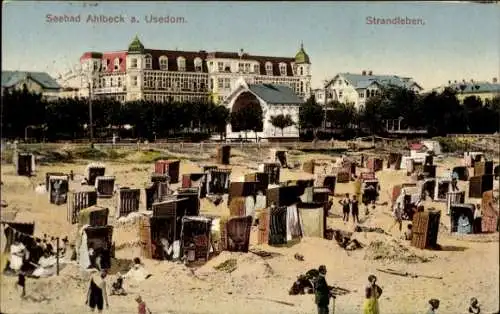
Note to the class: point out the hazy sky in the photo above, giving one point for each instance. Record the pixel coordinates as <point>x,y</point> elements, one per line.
<point>453,41</point>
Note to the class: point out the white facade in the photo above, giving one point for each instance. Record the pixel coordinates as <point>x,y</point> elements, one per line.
<point>269,110</point>
<point>356,89</point>
<point>184,76</point>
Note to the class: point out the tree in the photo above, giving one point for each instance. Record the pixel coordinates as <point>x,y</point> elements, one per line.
<point>311,116</point>
<point>341,115</point>
<point>249,118</point>
<point>443,113</point>
<point>218,118</point>
<point>282,122</point>
<point>372,115</point>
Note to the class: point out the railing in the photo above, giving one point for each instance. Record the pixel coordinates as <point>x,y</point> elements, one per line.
<point>180,146</point>
<point>475,135</point>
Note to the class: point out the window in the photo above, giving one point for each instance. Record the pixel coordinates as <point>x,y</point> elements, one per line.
<point>220,83</point>
<point>240,67</point>
<point>269,68</point>
<point>198,65</point>
<point>361,95</point>
<point>163,63</point>
<point>301,87</point>
<point>148,62</point>
<point>111,82</point>
<point>104,65</point>
<point>247,67</point>
<point>96,66</point>
<point>220,66</point>
<point>134,80</point>
<point>119,82</point>
<point>256,68</point>
<point>340,94</point>
<point>133,63</point>
<point>301,71</point>
<point>181,64</point>
<point>117,64</point>
<point>227,83</point>
<point>294,69</point>
<point>282,69</point>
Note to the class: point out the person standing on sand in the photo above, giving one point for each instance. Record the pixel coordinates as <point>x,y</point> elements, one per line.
<point>355,209</point>
<point>372,294</point>
<point>345,203</point>
<point>322,291</point>
<point>141,306</point>
<point>96,294</point>
<point>398,217</point>
<point>434,305</point>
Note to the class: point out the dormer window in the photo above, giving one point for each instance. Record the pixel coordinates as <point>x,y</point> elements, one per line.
<point>220,66</point>
<point>181,64</point>
<point>117,64</point>
<point>198,65</point>
<point>163,63</point>
<point>241,67</point>
<point>269,68</point>
<point>104,64</point>
<point>256,68</point>
<point>283,69</point>
<point>294,69</point>
<point>247,67</point>
<point>148,62</point>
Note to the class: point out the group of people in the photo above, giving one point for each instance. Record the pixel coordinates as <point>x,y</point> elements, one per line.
<point>28,254</point>
<point>350,206</point>
<point>324,293</point>
<point>97,295</point>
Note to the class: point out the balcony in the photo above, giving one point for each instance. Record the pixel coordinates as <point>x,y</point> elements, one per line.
<point>109,90</point>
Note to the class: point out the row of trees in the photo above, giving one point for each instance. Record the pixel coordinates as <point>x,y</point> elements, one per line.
<point>439,113</point>
<point>26,114</point>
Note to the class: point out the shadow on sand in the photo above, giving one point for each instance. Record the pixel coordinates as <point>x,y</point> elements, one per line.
<point>451,248</point>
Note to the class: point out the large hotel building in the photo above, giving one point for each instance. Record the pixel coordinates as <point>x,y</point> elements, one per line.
<point>187,76</point>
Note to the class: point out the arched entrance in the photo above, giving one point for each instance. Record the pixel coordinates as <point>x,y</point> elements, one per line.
<point>249,103</point>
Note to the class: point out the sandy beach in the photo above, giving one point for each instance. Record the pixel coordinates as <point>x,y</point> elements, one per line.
<point>469,264</point>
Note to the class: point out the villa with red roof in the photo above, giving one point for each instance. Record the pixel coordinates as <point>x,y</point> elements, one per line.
<point>187,76</point>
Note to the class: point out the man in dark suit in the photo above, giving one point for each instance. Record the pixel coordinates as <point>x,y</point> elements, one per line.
<point>322,291</point>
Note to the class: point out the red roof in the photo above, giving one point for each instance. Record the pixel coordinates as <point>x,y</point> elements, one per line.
<point>190,56</point>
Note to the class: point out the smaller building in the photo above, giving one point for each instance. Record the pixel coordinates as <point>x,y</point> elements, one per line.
<point>274,100</point>
<point>483,90</point>
<point>38,82</point>
<point>356,89</point>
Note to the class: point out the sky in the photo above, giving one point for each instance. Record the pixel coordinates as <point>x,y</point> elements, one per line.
<point>452,41</point>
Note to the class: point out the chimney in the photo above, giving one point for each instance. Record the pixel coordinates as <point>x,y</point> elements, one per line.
<point>495,80</point>
<point>370,73</point>
<point>363,73</point>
